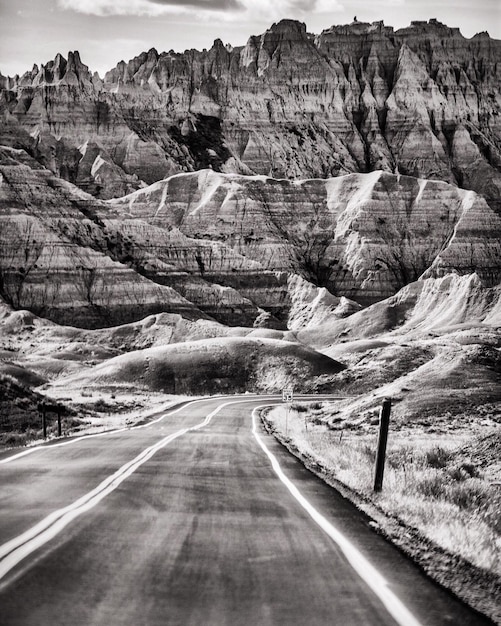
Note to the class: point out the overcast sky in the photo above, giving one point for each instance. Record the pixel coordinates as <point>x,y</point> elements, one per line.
<point>107,31</point>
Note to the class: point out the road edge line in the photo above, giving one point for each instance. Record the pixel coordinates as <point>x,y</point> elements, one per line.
<point>369,574</point>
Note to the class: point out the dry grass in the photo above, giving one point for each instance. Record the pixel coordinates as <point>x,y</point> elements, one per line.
<point>426,483</point>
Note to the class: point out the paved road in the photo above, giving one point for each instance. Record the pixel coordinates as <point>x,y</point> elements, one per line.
<point>198,518</point>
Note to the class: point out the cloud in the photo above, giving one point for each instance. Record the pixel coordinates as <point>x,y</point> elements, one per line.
<point>103,8</point>
<point>208,5</point>
<point>225,9</point>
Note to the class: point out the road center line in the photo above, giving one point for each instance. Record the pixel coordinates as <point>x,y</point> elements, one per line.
<point>74,440</point>
<point>369,574</point>
<point>14,551</point>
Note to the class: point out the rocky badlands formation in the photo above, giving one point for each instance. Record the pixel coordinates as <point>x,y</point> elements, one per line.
<point>243,250</point>
<point>421,101</point>
<point>273,184</point>
<point>279,188</point>
<point>322,212</point>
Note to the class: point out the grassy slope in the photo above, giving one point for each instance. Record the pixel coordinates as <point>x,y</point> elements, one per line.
<point>447,501</point>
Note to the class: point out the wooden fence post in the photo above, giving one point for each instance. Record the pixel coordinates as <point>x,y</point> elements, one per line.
<point>384,424</point>
<point>44,422</point>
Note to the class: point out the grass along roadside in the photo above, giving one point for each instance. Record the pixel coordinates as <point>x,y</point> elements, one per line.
<point>429,483</point>
<point>87,411</point>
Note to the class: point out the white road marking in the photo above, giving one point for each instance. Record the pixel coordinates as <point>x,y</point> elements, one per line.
<point>360,564</point>
<point>14,551</point>
<point>19,455</point>
<point>74,440</point>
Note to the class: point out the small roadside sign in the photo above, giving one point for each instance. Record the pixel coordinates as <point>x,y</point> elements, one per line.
<point>287,395</point>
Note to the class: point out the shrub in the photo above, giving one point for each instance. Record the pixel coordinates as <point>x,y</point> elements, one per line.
<point>463,471</point>
<point>470,494</point>
<point>101,405</point>
<point>438,457</point>
<point>432,485</point>
<point>400,457</point>
<point>369,451</point>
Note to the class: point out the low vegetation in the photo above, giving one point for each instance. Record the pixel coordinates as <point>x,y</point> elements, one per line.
<point>20,419</point>
<point>429,483</point>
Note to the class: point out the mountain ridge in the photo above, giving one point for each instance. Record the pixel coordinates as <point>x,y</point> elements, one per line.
<point>242,250</point>
<point>421,101</point>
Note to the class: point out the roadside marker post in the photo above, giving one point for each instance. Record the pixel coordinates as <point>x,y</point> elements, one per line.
<point>384,425</point>
<point>287,396</point>
<point>41,409</point>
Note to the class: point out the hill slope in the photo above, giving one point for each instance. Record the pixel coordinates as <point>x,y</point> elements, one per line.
<point>423,101</point>
<point>222,365</point>
<point>244,250</point>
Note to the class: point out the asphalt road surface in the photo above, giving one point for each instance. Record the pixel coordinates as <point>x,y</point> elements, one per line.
<point>197,518</point>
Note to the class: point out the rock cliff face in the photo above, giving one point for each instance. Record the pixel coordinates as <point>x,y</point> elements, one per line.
<point>61,260</point>
<point>421,101</point>
<point>54,256</point>
<point>243,250</point>
<point>426,308</point>
<point>362,236</point>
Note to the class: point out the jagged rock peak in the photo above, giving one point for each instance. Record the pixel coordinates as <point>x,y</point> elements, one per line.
<point>291,32</point>
<point>432,25</point>
<point>422,101</point>
<point>288,27</point>
<point>59,71</point>
<point>360,28</point>
<point>8,83</point>
<point>138,69</point>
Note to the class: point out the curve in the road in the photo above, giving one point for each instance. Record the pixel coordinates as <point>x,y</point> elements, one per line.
<point>17,549</point>
<point>359,563</point>
<point>113,431</point>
